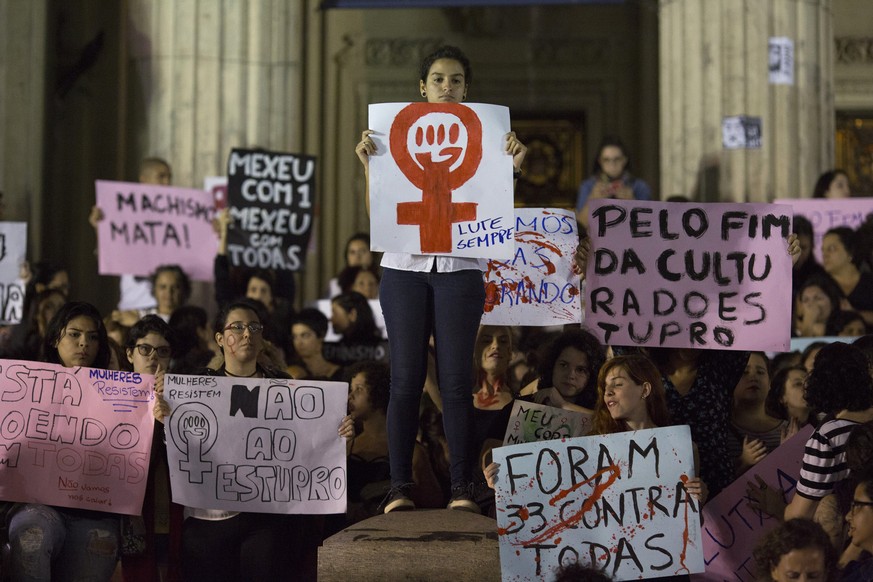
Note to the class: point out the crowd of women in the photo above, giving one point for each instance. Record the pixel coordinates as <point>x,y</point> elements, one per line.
<point>421,425</point>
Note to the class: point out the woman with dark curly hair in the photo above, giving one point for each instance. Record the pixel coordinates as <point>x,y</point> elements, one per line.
<point>568,371</point>
<point>840,386</point>
<point>52,543</point>
<point>798,549</point>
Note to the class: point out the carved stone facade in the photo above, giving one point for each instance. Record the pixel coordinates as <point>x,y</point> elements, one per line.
<point>190,80</point>
<point>854,50</point>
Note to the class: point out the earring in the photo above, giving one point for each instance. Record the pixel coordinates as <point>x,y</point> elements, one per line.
<point>423,94</point>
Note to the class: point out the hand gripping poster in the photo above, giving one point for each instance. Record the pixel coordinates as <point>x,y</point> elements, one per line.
<point>440,180</point>
<point>271,196</point>
<point>670,274</point>
<point>146,225</point>
<point>615,502</point>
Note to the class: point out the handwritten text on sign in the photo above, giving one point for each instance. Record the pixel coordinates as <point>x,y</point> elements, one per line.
<point>530,422</point>
<point>828,213</point>
<point>617,502</point>
<point>689,275</point>
<point>732,529</point>
<point>74,437</point>
<point>271,203</point>
<point>13,250</point>
<point>440,180</point>
<point>145,226</point>
<point>262,445</point>
<point>537,286</point>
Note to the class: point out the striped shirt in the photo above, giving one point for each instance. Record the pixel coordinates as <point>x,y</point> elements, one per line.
<point>824,460</point>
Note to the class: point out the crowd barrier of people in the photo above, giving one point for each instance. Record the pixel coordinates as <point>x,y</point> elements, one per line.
<point>426,409</point>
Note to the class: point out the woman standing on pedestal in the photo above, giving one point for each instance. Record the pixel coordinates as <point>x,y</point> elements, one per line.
<point>424,295</point>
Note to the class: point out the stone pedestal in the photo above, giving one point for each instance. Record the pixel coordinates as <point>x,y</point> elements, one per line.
<point>422,545</point>
<point>713,64</point>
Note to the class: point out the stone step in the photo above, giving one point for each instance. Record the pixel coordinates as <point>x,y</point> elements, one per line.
<point>422,545</point>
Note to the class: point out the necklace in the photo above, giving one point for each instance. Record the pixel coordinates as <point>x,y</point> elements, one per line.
<point>252,375</point>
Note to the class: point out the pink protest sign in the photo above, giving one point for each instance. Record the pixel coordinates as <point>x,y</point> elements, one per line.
<point>74,437</point>
<point>689,275</point>
<point>731,528</point>
<point>826,213</point>
<point>145,226</point>
<point>440,180</point>
<point>537,286</point>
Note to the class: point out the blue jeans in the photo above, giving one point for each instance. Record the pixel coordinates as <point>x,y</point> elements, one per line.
<point>416,305</point>
<point>53,543</point>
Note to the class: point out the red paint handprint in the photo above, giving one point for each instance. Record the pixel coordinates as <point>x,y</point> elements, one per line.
<point>438,148</point>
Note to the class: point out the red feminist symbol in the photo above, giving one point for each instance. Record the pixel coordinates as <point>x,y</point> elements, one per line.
<point>446,149</point>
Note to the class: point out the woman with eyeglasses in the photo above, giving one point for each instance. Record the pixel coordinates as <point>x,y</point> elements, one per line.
<point>59,543</point>
<point>228,545</point>
<point>611,179</point>
<point>860,520</point>
<point>149,347</point>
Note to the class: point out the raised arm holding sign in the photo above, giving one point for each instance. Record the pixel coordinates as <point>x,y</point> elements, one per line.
<point>439,180</point>
<point>690,275</point>
<point>144,226</point>
<point>271,197</point>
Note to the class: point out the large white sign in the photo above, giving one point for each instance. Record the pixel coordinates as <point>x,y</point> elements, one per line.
<point>617,502</point>
<point>440,180</point>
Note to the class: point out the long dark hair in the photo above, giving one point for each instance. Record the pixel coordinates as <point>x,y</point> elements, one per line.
<point>610,141</point>
<point>588,344</point>
<point>839,380</point>
<point>68,312</point>
<point>823,184</point>
<point>364,328</point>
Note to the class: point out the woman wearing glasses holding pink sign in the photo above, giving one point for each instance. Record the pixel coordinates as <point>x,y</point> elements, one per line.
<point>433,295</point>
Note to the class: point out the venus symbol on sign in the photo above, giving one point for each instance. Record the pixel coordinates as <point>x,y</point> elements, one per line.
<point>438,147</point>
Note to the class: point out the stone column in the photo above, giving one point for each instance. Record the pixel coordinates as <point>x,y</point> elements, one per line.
<point>209,76</point>
<point>204,77</point>
<point>23,26</point>
<point>714,63</point>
